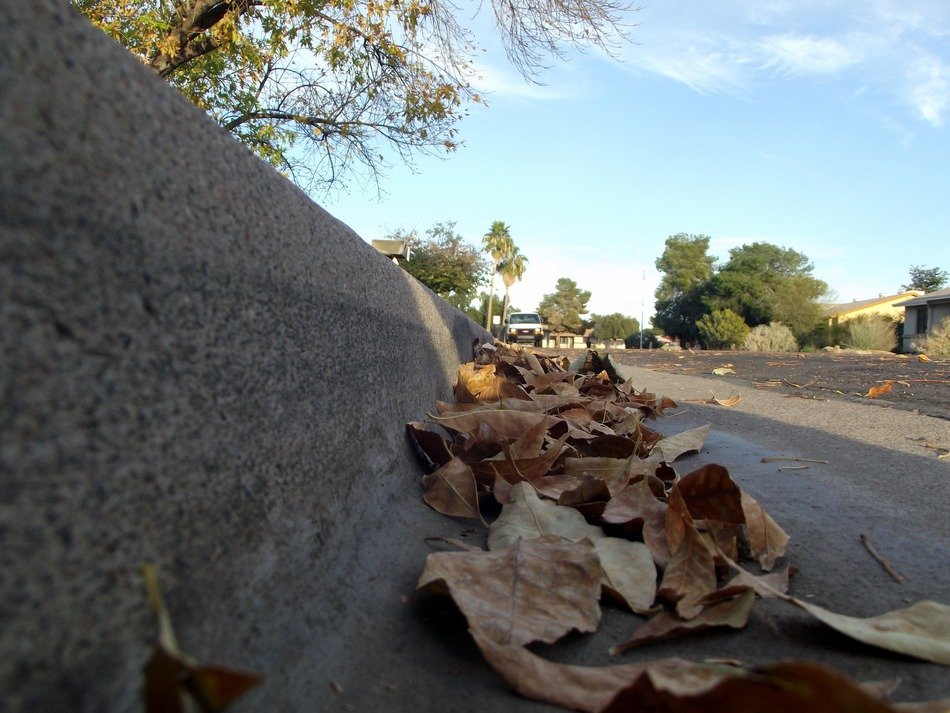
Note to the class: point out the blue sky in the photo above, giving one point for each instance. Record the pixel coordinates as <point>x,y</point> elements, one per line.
<point>819,125</point>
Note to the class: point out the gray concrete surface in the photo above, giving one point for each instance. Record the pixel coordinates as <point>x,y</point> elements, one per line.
<point>202,368</point>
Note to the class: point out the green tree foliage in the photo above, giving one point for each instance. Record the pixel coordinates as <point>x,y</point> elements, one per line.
<point>723,329</point>
<point>687,270</point>
<point>562,309</point>
<point>772,337</point>
<point>499,246</point>
<point>928,279</point>
<point>615,326</point>
<point>317,87</point>
<point>445,263</point>
<point>511,270</point>
<point>763,283</point>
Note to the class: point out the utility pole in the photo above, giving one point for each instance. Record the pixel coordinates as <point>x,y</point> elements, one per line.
<point>643,281</point>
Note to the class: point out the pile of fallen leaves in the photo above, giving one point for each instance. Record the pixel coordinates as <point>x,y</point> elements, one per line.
<point>588,504</point>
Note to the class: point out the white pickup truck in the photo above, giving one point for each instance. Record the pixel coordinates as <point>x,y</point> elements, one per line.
<point>522,327</point>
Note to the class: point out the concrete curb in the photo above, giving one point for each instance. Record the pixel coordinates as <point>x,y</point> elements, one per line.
<point>200,367</point>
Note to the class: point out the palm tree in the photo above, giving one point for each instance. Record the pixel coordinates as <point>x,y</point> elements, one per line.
<point>498,244</point>
<point>511,270</point>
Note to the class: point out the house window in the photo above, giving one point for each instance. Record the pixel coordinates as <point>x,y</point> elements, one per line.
<point>921,320</point>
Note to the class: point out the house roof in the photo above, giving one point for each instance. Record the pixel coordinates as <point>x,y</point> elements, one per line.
<point>938,296</point>
<point>836,310</point>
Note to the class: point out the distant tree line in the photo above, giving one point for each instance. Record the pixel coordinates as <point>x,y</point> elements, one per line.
<point>701,302</point>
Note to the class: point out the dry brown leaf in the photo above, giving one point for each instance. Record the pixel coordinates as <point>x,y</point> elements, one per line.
<point>216,687</point>
<point>170,673</point>
<point>732,612</point>
<point>690,574</point>
<point>586,491</point>
<point>613,471</point>
<point>506,423</point>
<point>723,370</point>
<point>884,388</point>
<point>482,384</point>
<point>582,688</point>
<point>608,447</point>
<point>672,447</point>
<point>517,470</point>
<point>430,447</point>
<point>530,443</point>
<point>637,507</point>
<point>766,539</point>
<point>677,686</point>
<point>628,573</point>
<point>528,517</point>
<point>710,494</point>
<point>535,590</point>
<point>734,398</point>
<point>765,585</point>
<point>921,630</point>
<point>451,490</point>
<point>788,687</point>
<point>923,357</point>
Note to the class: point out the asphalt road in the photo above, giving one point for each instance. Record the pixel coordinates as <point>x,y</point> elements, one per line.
<point>397,649</point>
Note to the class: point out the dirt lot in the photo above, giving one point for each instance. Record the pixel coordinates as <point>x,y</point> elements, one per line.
<point>918,386</point>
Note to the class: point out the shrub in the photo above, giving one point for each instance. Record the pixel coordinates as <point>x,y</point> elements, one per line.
<point>774,337</point>
<point>938,342</point>
<point>722,329</point>
<point>870,332</point>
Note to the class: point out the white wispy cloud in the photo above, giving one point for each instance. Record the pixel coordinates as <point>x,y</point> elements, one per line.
<point>703,65</point>
<point>491,81</point>
<point>796,55</point>
<point>929,94</point>
<point>901,51</point>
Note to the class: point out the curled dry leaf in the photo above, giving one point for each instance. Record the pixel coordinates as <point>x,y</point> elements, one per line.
<point>504,422</point>
<point>923,357</point>
<point>884,388</point>
<point>710,494</point>
<point>672,447</point>
<point>628,573</point>
<point>451,490</point>
<point>732,612</point>
<point>482,384</point>
<point>690,575</point>
<point>765,585</point>
<point>638,509</point>
<point>613,471</point>
<point>169,673</point>
<point>677,686</point>
<point>534,590</point>
<point>582,688</point>
<point>431,449</point>
<point>734,398</point>
<point>528,517</point>
<point>513,470</point>
<point>921,630</point>
<point>723,370</point>
<point>766,539</point>
<point>789,687</point>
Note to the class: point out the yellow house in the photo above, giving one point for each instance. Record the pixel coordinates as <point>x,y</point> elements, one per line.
<point>882,304</point>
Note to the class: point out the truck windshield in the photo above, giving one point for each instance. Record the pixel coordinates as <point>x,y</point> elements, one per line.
<point>526,318</point>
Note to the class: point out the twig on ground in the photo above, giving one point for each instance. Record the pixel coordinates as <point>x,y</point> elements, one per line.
<point>793,467</point>
<point>899,578</point>
<point>923,443</point>
<point>791,458</point>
